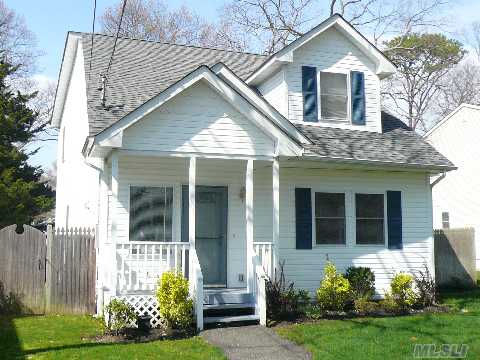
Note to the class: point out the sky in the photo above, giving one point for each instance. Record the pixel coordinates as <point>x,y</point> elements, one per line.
<point>50,20</point>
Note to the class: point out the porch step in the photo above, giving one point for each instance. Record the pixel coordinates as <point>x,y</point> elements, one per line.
<point>219,297</point>
<point>230,319</point>
<point>228,306</point>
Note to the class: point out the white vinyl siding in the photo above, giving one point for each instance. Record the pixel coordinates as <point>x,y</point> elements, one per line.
<point>305,267</point>
<point>458,193</point>
<point>333,52</point>
<point>198,121</point>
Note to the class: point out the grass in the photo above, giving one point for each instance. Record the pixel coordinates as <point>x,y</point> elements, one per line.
<point>69,337</point>
<point>392,338</point>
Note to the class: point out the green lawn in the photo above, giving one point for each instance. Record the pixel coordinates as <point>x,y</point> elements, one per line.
<point>392,338</point>
<point>66,337</point>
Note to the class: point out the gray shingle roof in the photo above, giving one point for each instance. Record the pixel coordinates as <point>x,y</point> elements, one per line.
<point>142,69</point>
<point>396,144</point>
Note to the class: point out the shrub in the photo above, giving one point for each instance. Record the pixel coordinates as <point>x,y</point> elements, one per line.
<point>283,301</point>
<point>402,293</point>
<point>362,282</point>
<point>388,304</point>
<point>334,290</point>
<point>175,306</point>
<point>120,315</point>
<point>426,288</point>
<point>314,312</point>
<point>10,303</point>
<point>365,306</point>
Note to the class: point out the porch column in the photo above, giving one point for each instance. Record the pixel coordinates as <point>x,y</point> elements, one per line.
<point>113,236</point>
<point>101,238</point>
<point>191,200</point>
<point>276,213</point>
<point>249,223</point>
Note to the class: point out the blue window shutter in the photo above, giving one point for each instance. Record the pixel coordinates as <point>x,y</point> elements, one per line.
<point>303,218</point>
<point>309,93</point>
<point>394,219</point>
<point>357,80</point>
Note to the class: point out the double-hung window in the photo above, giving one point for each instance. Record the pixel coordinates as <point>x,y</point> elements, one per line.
<point>333,97</point>
<point>329,218</point>
<point>370,219</point>
<point>151,213</point>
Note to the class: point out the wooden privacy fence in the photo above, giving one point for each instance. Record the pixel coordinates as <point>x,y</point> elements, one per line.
<point>455,263</point>
<point>49,273</point>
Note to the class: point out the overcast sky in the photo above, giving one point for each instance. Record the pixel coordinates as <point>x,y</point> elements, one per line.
<point>51,19</point>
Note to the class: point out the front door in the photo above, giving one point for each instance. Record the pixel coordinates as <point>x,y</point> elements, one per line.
<point>211,232</point>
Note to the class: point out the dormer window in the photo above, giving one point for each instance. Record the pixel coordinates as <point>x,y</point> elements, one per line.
<point>333,97</point>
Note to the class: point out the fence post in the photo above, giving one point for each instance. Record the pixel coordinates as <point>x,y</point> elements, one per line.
<point>48,267</point>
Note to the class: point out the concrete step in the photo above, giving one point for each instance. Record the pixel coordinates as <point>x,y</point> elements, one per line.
<point>229,319</point>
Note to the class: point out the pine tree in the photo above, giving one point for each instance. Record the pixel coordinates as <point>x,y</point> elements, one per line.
<point>23,195</point>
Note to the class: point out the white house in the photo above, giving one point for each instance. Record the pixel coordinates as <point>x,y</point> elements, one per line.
<point>456,199</point>
<point>222,164</point>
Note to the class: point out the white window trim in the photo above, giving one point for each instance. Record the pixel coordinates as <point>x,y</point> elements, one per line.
<point>347,121</point>
<point>177,208</point>
<point>347,210</point>
<point>385,222</point>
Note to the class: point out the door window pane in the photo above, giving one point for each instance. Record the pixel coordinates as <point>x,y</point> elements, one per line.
<point>151,213</point>
<point>370,219</point>
<point>330,218</point>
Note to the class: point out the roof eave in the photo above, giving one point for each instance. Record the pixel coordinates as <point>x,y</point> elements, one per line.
<point>431,168</point>
<point>64,76</point>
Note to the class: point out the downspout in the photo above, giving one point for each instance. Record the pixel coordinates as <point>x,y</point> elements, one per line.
<point>437,180</point>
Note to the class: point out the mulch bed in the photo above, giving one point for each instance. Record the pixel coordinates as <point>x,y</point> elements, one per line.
<point>344,315</point>
<point>134,335</point>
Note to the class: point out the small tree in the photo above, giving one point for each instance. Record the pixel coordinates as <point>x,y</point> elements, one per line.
<point>422,61</point>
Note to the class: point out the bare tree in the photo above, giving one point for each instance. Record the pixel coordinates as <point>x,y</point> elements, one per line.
<point>153,20</point>
<point>275,23</point>
<point>460,85</point>
<point>17,42</point>
<point>272,24</point>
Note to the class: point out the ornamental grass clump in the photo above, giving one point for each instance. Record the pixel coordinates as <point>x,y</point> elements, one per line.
<point>175,306</point>
<point>334,290</point>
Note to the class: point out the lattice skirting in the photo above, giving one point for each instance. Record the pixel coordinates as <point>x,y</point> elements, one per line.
<point>144,305</point>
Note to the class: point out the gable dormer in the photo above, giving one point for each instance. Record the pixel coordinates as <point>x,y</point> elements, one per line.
<point>328,77</point>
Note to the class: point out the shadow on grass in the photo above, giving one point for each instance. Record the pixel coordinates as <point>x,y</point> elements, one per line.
<point>10,347</point>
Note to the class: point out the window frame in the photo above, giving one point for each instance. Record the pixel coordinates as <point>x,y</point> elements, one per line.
<point>385,222</point>
<point>347,194</point>
<point>176,210</point>
<point>348,120</point>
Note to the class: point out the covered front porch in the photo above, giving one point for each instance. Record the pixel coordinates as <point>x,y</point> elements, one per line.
<point>193,214</point>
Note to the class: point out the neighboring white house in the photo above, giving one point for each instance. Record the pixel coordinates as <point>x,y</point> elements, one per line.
<point>222,164</point>
<point>456,198</point>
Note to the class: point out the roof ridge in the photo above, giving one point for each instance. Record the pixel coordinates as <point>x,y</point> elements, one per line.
<point>169,43</point>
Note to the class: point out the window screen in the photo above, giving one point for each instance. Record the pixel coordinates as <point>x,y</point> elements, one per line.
<point>370,219</point>
<point>334,96</point>
<point>330,218</point>
<point>151,213</point>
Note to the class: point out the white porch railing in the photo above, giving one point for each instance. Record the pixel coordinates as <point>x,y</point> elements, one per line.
<point>140,264</point>
<point>264,251</point>
<point>196,287</point>
<point>259,291</point>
